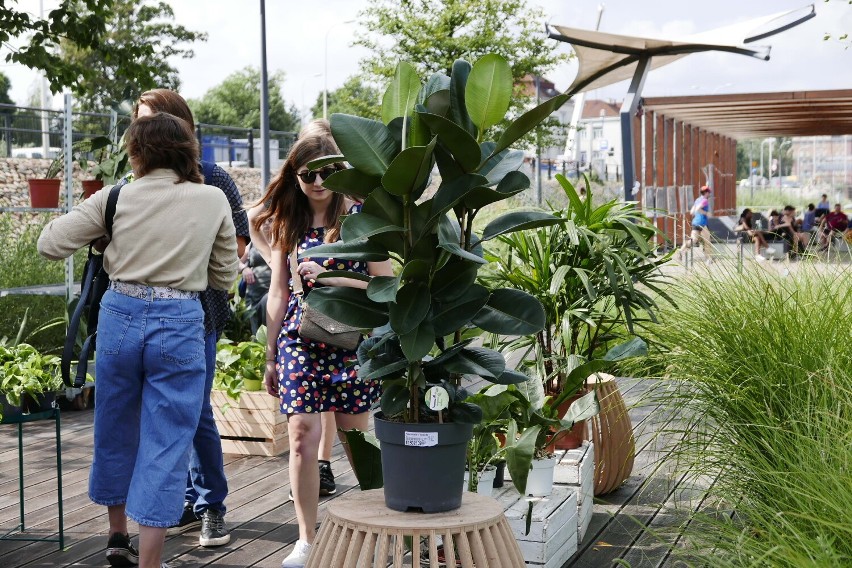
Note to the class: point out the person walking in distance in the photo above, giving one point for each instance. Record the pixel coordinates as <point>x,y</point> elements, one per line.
<point>700,211</point>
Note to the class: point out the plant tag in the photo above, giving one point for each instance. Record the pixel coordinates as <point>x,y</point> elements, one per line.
<point>437,398</point>
<point>421,439</point>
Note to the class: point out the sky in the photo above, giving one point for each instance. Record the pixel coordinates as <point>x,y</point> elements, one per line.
<point>304,36</point>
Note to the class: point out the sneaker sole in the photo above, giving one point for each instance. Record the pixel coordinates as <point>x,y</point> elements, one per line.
<point>121,557</point>
<point>171,531</point>
<point>214,541</point>
<point>327,492</point>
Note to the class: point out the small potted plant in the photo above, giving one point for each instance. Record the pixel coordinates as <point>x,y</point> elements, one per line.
<point>44,192</point>
<point>111,163</point>
<point>429,309</point>
<point>29,380</point>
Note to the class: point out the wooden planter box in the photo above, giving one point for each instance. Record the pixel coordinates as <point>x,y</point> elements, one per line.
<point>251,426</point>
<point>576,468</point>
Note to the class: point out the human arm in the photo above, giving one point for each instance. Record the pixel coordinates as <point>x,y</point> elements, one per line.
<point>276,304</point>
<point>258,238</point>
<point>77,228</point>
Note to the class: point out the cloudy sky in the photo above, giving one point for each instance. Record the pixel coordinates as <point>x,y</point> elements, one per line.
<point>300,33</point>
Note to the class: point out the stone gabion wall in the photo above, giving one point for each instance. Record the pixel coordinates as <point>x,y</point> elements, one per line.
<point>14,173</point>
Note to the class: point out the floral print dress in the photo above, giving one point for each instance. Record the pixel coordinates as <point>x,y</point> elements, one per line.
<point>315,377</point>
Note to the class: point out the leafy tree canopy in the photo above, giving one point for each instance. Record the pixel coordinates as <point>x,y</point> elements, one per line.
<point>432,34</point>
<point>87,25</point>
<point>236,102</point>
<point>130,24</point>
<point>5,85</point>
<point>355,97</point>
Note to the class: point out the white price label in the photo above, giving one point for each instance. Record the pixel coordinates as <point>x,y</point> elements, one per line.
<point>437,398</point>
<point>421,439</point>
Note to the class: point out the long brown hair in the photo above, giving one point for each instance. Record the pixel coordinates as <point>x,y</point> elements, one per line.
<point>162,140</point>
<point>286,205</point>
<point>164,100</point>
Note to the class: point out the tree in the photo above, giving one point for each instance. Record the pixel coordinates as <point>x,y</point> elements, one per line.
<point>131,23</point>
<point>82,23</point>
<point>5,85</point>
<point>356,97</point>
<point>236,102</point>
<point>432,34</point>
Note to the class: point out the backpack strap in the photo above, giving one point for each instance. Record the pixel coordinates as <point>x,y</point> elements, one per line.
<point>207,171</point>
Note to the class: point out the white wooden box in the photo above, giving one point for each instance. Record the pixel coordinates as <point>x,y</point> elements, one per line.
<point>576,468</point>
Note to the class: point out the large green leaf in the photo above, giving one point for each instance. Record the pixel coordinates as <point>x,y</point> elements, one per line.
<point>366,458</point>
<point>509,377</point>
<point>325,161</point>
<point>488,91</point>
<point>382,288</point>
<point>518,221</point>
<point>348,305</point>
<point>394,399</point>
<point>400,95</point>
<point>360,249</point>
<point>458,84</point>
<point>466,413</point>
<point>507,161</point>
<point>581,409</point>
<point>409,169</point>
<point>451,192</point>
<point>453,280</point>
<point>511,312</point>
<point>448,239</point>
<point>384,205</point>
<point>439,102</point>
<point>528,121</point>
<point>418,343</point>
<point>519,454</point>
<point>352,182</point>
<point>512,183</point>
<point>450,316</point>
<point>367,144</point>
<point>364,225</point>
<point>635,347</point>
<point>479,361</point>
<point>437,82</point>
<point>411,307</point>
<point>461,145</point>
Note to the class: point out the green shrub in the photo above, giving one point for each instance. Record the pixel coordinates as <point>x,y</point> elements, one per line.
<point>760,369</point>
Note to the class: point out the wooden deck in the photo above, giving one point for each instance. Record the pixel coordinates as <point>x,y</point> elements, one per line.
<point>262,519</point>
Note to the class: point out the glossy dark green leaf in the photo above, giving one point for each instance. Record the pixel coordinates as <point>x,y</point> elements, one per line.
<point>409,169</point>
<point>451,192</point>
<point>418,343</point>
<point>466,413</point>
<point>635,347</point>
<point>400,95</point>
<point>360,249</point>
<point>383,288</point>
<point>450,316</point>
<point>382,367</point>
<point>364,225</point>
<point>352,182</point>
<point>507,161</point>
<point>439,102</point>
<point>416,270</point>
<point>366,458</point>
<point>512,184</point>
<point>511,312</point>
<point>394,399</point>
<point>519,455</point>
<point>385,206</point>
<point>509,377</point>
<point>411,307</point>
<point>458,84</point>
<point>528,121</point>
<point>367,144</point>
<point>518,221</point>
<point>343,274</point>
<point>325,161</point>
<point>451,281</point>
<point>436,82</point>
<point>348,305</point>
<point>488,91</point>
<point>479,361</point>
<point>461,145</point>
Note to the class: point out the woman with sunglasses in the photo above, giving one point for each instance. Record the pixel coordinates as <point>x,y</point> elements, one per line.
<point>309,378</point>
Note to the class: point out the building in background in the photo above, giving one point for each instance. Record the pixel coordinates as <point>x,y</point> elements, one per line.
<point>598,138</point>
<point>824,163</point>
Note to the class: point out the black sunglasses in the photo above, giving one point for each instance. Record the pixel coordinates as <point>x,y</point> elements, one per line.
<point>311,176</point>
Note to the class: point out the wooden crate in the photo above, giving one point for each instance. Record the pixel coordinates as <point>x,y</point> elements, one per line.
<point>576,468</point>
<point>552,538</point>
<point>252,426</point>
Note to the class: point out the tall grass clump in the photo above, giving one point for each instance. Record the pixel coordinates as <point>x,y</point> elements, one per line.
<point>759,367</point>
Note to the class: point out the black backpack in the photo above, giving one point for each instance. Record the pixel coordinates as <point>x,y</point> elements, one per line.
<point>94,285</point>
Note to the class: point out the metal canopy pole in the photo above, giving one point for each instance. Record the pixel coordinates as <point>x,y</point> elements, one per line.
<point>628,110</point>
<point>264,103</point>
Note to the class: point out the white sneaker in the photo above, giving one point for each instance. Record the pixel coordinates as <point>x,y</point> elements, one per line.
<point>298,557</point>
<point>759,257</point>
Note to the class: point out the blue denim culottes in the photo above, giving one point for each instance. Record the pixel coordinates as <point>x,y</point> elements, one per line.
<point>149,388</point>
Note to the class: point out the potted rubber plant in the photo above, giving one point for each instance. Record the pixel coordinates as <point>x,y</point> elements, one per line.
<point>426,313</point>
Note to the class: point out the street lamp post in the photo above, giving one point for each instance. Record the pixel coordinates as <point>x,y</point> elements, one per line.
<point>325,69</point>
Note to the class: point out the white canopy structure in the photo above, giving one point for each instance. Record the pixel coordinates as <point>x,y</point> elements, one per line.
<point>607,58</point>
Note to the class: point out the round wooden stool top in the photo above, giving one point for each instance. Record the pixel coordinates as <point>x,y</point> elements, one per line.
<point>360,532</point>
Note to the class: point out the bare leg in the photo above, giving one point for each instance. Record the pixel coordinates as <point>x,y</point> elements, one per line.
<point>304,432</point>
<point>704,235</point>
<point>117,519</point>
<point>151,542</point>
<point>348,422</point>
<point>329,427</point>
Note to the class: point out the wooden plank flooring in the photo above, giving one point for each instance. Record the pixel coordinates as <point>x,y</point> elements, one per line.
<point>626,526</point>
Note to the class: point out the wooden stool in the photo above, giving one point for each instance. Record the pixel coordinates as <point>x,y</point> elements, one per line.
<point>360,532</point>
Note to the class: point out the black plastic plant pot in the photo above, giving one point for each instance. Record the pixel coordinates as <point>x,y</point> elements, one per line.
<point>500,474</point>
<point>423,464</point>
<point>38,403</point>
<point>9,411</point>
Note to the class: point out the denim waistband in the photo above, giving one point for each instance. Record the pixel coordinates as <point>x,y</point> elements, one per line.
<point>143,292</point>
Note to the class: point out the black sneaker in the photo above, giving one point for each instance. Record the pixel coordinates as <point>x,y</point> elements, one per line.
<point>188,522</point>
<point>213,531</point>
<point>327,486</point>
<point>120,551</point>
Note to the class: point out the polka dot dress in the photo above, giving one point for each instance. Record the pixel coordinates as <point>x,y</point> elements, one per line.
<point>315,377</point>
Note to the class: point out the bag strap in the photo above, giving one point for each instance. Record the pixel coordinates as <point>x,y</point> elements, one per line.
<point>109,214</point>
<point>294,273</point>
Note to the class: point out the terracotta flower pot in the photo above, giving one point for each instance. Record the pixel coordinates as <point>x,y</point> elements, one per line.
<point>44,193</point>
<point>91,186</point>
<point>574,437</point>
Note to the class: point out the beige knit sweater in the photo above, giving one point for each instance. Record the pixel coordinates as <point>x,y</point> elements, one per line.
<point>164,234</point>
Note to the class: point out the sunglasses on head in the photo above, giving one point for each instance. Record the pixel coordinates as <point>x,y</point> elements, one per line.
<point>311,176</point>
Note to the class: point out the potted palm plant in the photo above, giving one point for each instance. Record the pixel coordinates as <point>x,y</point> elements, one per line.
<point>44,192</point>
<point>428,309</point>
